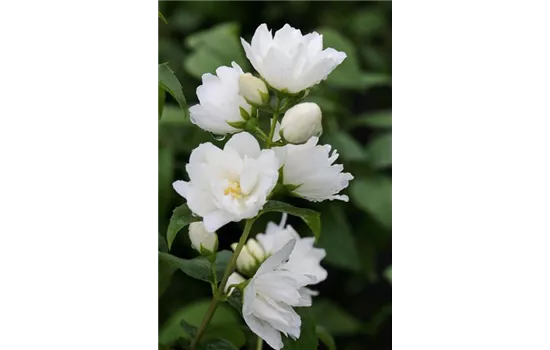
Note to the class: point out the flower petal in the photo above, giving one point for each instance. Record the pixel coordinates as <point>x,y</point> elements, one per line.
<point>265,331</point>
<point>244,144</point>
<point>216,219</point>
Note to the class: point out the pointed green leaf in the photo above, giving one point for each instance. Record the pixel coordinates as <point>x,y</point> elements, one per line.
<point>181,217</point>
<point>379,151</point>
<point>380,119</point>
<point>325,337</point>
<point>162,97</point>
<point>373,194</point>
<point>198,267</point>
<point>162,18</point>
<point>310,217</point>
<point>170,83</point>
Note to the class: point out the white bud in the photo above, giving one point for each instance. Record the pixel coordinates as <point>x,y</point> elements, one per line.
<point>253,89</point>
<point>234,278</point>
<point>256,250</point>
<point>246,263</point>
<point>203,241</point>
<point>301,122</point>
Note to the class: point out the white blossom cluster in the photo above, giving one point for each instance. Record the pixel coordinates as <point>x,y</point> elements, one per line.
<point>234,183</point>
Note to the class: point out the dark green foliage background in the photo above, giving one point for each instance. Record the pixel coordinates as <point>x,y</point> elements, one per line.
<point>355,301</point>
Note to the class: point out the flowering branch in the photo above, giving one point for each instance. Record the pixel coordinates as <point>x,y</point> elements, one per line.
<point>219,294</point>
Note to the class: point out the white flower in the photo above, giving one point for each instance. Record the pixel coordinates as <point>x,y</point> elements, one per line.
<point>301,122</point>
<point>250,257</point>
<point>253,89</point>
<point>230,184</point>
<point>219,101</point>
<point>291,61</point>
<point>233,279</point>
<point>310,167</point>
<point>305,259</point>
<point>201,240</point>
<point>269,297</point>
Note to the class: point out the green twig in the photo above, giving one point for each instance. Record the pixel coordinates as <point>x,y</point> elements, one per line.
<point>259,343</point>
<point>218,296</point>
<point>273,124</point>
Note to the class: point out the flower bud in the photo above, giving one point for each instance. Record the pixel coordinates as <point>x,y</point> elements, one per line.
<point>203,241</point>
<point>256,250</point>
<point>234,278</point>
<point>301,122</point>
<point>246,263</point>
<point>253,89</point>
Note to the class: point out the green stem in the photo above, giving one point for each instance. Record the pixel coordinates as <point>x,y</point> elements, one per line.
<point>218,296</point>
<point>261,133</point>
<point>273,124</point>
<point>259,344</point>
<point>214,277</point>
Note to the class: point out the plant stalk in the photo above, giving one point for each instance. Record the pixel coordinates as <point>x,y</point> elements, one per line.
<point>218,296</point>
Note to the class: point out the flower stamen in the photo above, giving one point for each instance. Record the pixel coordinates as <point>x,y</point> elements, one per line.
<point>234,190</point>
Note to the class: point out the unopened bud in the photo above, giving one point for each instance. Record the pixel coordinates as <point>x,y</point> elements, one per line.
<point>246,264</point>
<point>233,279</point>
<point>256,250</point>
<point>301,122</point>
<point>250,257</point>
<point>203,241</point>
<point>253,89</point>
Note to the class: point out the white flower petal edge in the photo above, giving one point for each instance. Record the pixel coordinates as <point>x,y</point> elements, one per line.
<point>304,259</point>
<point>269,298</point>
<point>310,166</point>
<point>289,60</point>
<point>219,101</point>
<point>230,184</point>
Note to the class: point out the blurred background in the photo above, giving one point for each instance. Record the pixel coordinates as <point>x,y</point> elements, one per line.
<point>354,304</point>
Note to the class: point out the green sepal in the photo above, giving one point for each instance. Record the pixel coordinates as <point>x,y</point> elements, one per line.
<point>237,125</point>
<point>244,113</point>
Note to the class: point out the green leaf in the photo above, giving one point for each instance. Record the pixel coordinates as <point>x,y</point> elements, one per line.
<point>338,239</point>
<point>165,178</point>
<point>225,323</point>
<point>373,79</point>
<point>325,337</point>
<point>166,271</point>
<point>162,18</point>
<point>334,319</point>
<point>387,274</point>
<point>379,151</point>
<point>349,74</point>
<point>378,319</point>
<point>181,217</point>
<point>366,22</point>
<point>219,344</point>
<point>236,300</point>
<point>171,116</point>
<point>163,247</point>
<point>373,195</point>
<point>170,83</point>
<point>348,148</point>
<point>230,332</point>
<point>162,97</point>
<point>380,119</point>
<point>198,267</point>
<point>214,47</point>
<point>308,333</point>
<point>188,328</point>
<point>310,217</point>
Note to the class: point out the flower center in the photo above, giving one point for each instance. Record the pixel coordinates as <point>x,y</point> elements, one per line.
<point>234,190</point>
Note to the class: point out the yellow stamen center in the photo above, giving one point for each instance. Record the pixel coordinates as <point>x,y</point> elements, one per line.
<point>234,189</point>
